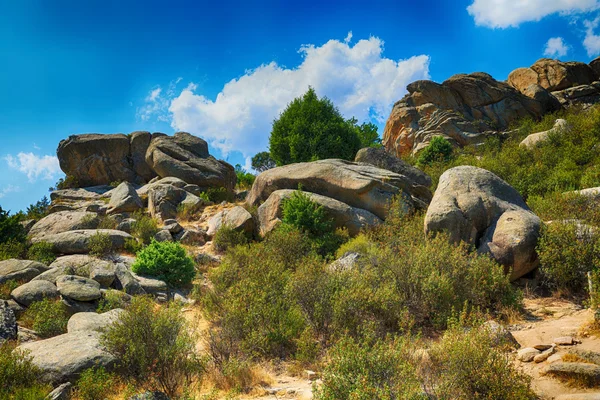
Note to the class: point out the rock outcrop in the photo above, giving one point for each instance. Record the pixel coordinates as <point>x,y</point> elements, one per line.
<point>344,216</point>
<point>465,109</point>
<point>468,108</point>
<point>124,199</point>
<point>98,159</point>
<point>475,206</point>
<point>64,221</point>
<point>238,218</point>
<point>78,241</point>
<point>356,184</point>
<point>380,158</point>
<point>20,270</point>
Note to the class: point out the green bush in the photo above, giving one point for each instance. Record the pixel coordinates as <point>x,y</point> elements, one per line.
<point>244,178</point>
<point>154,347</point>
<point>370,369</point>
<point>100,245</point>
<point>42,252</point>
<point>312,129</point>
<point>467,365</point>
<point>438,150</point>
<point>218,195</point>
<point>95,383</point>
<point>309,217</point>
<point>10,228</point>
<point>19,377</point>
<point>567,253</point>
<point>144,227</point>
<point>6,288</point>
<point>226,238</point>
<point>47,317</point>
<point>13,249</point>
<point>133,245</point>
<point>167,261</point>
<point>112,299</point>
<point>262,161</point>
<point>107,222</point>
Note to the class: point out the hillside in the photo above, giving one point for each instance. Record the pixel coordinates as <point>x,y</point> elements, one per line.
<point>459,261</point>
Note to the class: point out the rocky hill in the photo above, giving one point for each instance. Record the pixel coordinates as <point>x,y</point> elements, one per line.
<point>467,108</point>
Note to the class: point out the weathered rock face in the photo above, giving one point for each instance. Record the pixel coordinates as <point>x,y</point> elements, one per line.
<point>358,185</point>
<point>552,75</point>
<point>62,358</point>
<point>475,206</point>
<point>90,199</point>
<point>8,323</point>
<point>96,159</point>
<point>78,288</point>
<point>344,216</point>
<point>382,159</point>
<point>124,199</point>
<point>99,159</point>
<point>64,221</point>
<point>91,321</point>
<point>77,242</point>
<point>20,270</point>
<point>465,109</point>
<point>186,157</point>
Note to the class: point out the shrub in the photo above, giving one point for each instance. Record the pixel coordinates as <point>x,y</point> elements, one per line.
<point>133,245</point>
<point>144,227</point>
<point>112,299</point>
<point>47,317</point>
<point>42,252</point>
<point>187,212</point>
<point>107,222</point>
<point>312,129</point>
<point>371,369</point>
<point>19,377</point>
<point>6,288</point>
<point>38,210</point>
<point>467,365</point>
<point>100,244</point>
<point>219,195</point>
<point>438,150</point>
<point>155,347</point>
<point>227,237</point>
<point>244,178</point>
<point>95,383</point>
<point>67,182</point>
<point>167,261</point>
<point>567,253</point>
<point>13,249</point>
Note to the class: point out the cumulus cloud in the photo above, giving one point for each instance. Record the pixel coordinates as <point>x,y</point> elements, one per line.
<point>35,167</point>
<point>357,78</point>
<point>511,13</point>
<point>556,47</point>
<point>156,102</point>
<point>9,189</point>
<point>591,41</point>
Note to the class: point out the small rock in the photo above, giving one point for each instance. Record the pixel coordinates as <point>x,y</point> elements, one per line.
<point>542,347</point>
<point>16,308</point>
<point>310,375</point>
<point>126,281</point>
<point>527,354</point>
<point>27,335</point>
<point>174,228</point>
<point>163,236</point>
<point>554,358</point>
<point>63,392</point>
<point>544,356</point>
<point>74,306</point>
<point>564,341</point>
<point>192,237</point>
<point>150,285</point>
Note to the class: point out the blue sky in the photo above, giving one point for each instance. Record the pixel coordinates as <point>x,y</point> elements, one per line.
<point>224,70</point>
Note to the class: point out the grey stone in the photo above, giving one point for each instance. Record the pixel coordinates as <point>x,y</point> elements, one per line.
<point>237,218</point>
<point>34,291</point>
<point>126,281</point>
<point>8,323</point>
<point>124,199</point>
<point>77,242</point>
<point>74,306</point>
<point>527,354</point>
<point>150,285</point>
<point>192,237</point>
<point>64,221</point>
<point>62,392</point>
<point>380,158</point>
<point>163,236</point>
<point>78,288</point>
<point>91,321</point>
<point>62,358</point>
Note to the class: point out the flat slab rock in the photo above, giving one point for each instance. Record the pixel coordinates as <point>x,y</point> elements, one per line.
<point>20,270</point>
<point>77,242</point>
<point>62,358</point>
<point>78,288</point>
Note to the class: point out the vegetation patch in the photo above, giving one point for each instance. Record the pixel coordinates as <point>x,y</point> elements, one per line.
<point>47,317</point>
<point>167,261</point>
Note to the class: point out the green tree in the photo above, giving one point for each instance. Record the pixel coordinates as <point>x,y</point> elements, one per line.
<point>262,161</point>
<point>438,150</point>
<point>10,228</point>
<point>38,210</point>
<point>367,133</point>
<point>312,129</point>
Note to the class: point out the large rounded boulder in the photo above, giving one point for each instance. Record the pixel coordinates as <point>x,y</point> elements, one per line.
<point>475,206</point>
<point>356,184</point>
<point>380,158</point>
<point>185,156</point>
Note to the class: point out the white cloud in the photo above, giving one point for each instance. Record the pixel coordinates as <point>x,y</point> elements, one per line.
<point>511,13</point>
<point>153,95</point>
<point>348,37</point>
<point>44,167</point>
<point>556,47</point>
<point>357,78</point>
<point>591,41</point>
<point>9,189</point>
